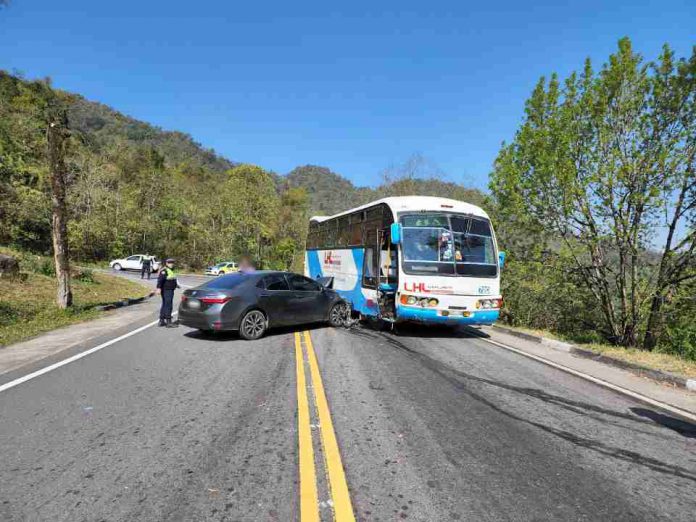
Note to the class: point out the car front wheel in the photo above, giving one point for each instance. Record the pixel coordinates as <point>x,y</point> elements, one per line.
<point>253,325</point>
<point>117,267</point>
<point>339,314</point>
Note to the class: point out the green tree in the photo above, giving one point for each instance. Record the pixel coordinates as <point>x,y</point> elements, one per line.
<point>251,208</point>
<point>603,165</point>
<point>293,222</point>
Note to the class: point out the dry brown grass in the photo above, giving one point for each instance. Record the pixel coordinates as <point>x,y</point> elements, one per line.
<point>653,360</point>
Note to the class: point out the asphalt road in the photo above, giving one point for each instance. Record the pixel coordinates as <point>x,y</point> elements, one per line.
<point>432,425</point>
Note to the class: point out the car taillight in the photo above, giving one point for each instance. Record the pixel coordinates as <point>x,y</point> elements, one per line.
<point>215,300</point>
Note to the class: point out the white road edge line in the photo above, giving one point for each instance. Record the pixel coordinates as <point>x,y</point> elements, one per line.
<point>642,398</point>
<point>75,357</point>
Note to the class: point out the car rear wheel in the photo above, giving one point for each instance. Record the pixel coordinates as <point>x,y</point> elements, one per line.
<point>253,325</point>
<point>339,314</point>
<point>117,267</point>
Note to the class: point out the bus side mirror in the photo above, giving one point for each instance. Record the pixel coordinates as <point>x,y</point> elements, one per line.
<point>395,233</point>
<point>501,259</point>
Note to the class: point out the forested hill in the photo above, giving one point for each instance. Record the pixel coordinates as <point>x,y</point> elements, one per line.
<point>134,187</point>
<point>103,125</point>
<point>330,193</point>
<point>100,127</point>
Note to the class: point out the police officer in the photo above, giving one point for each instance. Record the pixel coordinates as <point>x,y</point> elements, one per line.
<point>166,284</point>
<point>146,267</point>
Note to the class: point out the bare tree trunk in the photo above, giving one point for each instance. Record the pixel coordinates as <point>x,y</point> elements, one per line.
<point>57,134</point>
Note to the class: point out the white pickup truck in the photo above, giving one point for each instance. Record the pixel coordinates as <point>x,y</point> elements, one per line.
<point>134,262</point>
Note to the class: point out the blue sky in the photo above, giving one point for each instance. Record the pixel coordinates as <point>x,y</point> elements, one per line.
<point>354,86</point>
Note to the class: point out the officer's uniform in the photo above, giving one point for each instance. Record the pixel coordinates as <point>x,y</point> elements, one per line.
<point>167,283</point>
<point>146,268</point>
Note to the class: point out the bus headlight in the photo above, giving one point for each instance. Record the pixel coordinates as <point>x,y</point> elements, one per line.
<point>487,304</point>
<point>424,302</point>
<point>409,299</point>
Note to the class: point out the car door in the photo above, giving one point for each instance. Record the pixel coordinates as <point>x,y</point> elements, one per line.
<point>133,262</point>
<point>275,298</point>
<point>307,299</point>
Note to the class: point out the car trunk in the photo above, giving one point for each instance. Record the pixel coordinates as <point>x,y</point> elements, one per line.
<point>201,299</point>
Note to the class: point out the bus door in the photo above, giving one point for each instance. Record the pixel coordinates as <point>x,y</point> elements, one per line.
<point>388,273</point>
<point>388,280</point>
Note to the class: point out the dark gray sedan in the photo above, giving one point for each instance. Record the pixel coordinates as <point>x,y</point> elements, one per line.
<point>252,303</point>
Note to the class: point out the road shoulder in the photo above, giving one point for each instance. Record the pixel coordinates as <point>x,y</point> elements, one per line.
<point>663,392</point>
<point>66,340</point>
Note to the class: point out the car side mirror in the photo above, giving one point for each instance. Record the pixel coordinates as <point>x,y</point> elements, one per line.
<point>501,259</point>
<point>395,232</point>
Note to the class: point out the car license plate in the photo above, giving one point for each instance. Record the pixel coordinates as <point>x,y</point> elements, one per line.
<point>194,304</point>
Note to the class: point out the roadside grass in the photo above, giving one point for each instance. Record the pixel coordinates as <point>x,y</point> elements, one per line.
<point>654,360</point>
<point>27,307</point>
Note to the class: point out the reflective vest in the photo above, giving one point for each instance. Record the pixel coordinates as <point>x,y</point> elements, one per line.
<point>169,273</point>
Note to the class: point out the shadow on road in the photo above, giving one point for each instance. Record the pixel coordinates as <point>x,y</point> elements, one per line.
<point>684,428</point>
<point>460,380</point>
<point>422,331</point>
<point>234,336</point>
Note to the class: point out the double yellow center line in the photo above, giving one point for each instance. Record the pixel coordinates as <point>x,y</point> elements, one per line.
<point>309,503</point>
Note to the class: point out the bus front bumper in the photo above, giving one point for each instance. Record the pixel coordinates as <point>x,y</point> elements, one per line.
<point>425,315</point>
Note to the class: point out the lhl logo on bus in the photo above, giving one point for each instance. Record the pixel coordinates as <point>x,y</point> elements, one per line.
<point>329,259</point>
<point>416,287</point>
<point>425,289</point>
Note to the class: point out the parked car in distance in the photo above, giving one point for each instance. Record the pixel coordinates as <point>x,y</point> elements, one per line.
<point>222,268</point>
<point>253,303</point>
<point>134,262</point>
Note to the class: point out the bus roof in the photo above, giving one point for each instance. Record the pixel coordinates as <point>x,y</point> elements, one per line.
<point>415,204</point>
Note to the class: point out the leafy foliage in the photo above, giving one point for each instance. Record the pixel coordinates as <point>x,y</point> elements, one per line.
<point>136,188</point>
<point>600,179</point>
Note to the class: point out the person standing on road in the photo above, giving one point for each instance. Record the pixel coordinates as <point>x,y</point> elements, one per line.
<point>146,267</point>
<point>166,284</point>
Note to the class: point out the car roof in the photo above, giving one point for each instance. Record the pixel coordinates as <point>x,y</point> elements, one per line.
<point>260,273</point>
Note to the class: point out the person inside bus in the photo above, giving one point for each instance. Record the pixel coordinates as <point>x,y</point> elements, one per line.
<point>387,266</point>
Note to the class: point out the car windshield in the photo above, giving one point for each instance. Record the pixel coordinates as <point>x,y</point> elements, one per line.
<point>448,245</point>
<point>226,282</point>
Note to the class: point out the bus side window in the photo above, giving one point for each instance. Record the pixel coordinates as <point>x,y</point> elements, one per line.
<point>370,269</point>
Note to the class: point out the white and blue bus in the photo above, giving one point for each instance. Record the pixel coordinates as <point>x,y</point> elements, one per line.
<point>414,258</point>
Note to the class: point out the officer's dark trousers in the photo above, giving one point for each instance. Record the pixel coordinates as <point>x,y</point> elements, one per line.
<point>144,271</point>
<point>167,303</point>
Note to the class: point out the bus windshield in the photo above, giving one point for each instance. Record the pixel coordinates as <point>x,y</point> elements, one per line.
<point>442,244</point>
